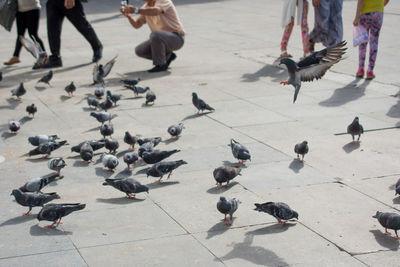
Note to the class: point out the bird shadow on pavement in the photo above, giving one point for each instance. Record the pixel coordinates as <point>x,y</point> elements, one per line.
<point>18,220</point>
<point>386,241</point>
<point>7,134</point>
<point>217,229</point>
<point>122,153</point>
<point>64,98</point>
<point>123,174</point>
<point>296,165</point>
<point>155,185</point>
<point>142,171</point>
<point>349,92</point>
<point>25,119</point>
<point>275,72</point>
<point>40,88</point>
<point>36,230</point>
<point>394,111</point>
<point>221,189</point>
<point>13,103</point>
<point>119,200</point>
<point>103,172</point>
<point>170,140</point>
<point>350,147</point>
<point>271,229</point>
<point>81,163</point>
<point>196,115</point>
<point>396,200</point>
<point>40,159</point>
<point>234,164</point>
<point>97,128</point>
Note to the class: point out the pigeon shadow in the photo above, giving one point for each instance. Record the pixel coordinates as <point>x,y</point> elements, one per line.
<point>25,119</point>
<point>92,130</point>
<point>133,98</point>
<point>81,163</point>
<point>40,88</point>
<point>296,165</point>
<point>170,140</point>
<point>103,172</point>
<point>122,153</point>
<point>196,115</point>
<point>396,200</point>
<point>13,103</point>
<point>277,73</point>
<point>144,75</point>
<point>350,147</point>
<point>386,241</point>
<point>271,229</point>
<point>40,159</point>
<point>64,98</point>
<point>86,109</point>
<point>217,229</point>
<point>392,187</point>
<point>234,164</point>
<point>119,200</point>
<point>123,174</point>
<point>155,185</point>
<point>18,220</point>
<point>394,111</point>
<point>7,134</point>
<point>36,230</point>
<point>144,105</point>
<point>221,189</point>
<point>142,171</point>
<point>349,92</point>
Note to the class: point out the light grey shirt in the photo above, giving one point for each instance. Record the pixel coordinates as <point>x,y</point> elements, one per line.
<point>27,5</point>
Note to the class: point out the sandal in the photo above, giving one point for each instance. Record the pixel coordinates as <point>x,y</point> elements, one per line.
<point>285,54</point>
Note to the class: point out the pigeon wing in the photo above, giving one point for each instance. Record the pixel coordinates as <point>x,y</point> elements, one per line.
<point>107,68</point>
<point>31,46</point>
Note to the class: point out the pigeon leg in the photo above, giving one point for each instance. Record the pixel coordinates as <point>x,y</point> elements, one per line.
<point>159,180</point>
<point>59,222</point>
<point>302,158</point>
<point>169,175</point>
<point>386,232</point>
<point>397,236</point>
<point>29,211</point>
<point>282,223</point>
<point>224,219</point>
<point>284,82</point>
<point>131,196</point>
<point>359,137</point>
<point>230,221</point>
<point>134,164</point>
<point>50,225</point>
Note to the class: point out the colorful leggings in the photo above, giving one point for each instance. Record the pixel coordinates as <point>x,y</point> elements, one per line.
<point>372,22</point>
<point>304,31</point>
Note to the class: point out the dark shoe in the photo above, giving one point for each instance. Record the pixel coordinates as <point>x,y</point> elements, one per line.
<point>159,68</point>
<point>97,54</point>
<point>53,62</point>
<point>171,58</point>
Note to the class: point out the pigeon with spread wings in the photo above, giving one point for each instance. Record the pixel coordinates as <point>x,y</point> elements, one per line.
<point>100,71</point>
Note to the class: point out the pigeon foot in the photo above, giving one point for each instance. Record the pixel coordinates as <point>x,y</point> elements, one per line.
<point>27,213</point>
<point>282,223</point>
<point>284,82</point>
<point>387,233</point>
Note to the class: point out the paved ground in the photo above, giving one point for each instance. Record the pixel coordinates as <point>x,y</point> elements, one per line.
<point>228,59</point>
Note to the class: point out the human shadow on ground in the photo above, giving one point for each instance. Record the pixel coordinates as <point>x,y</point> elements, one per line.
<point>350,147</point>
<point>296,165</point>
<point>120,200</point>
<point>278,74</point>
<point>18,220</point>
<point>217,229</point>
<point>394,111</point>
<point>349,92</point>
<point>36,230</point>
<point>221,189</point>
<point>386,241</point>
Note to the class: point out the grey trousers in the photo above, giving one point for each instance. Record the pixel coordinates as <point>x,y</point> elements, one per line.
<point>160,46</point>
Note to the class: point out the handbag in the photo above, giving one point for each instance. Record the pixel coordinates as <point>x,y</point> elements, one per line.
<point>8,11</point>
<point>360,35</point>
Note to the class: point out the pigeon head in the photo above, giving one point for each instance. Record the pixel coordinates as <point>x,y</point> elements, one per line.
<point>93,114</point>
<point>290,64</point>
<point>152,172</point>
<point>295,215</point>
<point>143,188</point>
<point>87,156</point>
<point>356,120</point>
<point>223,199</point>
<point>258,207</point>
<point>194,95</point>
<point>34,140</point>
<point>377,214</point>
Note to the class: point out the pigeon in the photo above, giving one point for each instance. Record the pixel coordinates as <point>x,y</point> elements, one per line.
<point>36,184</point>
<point>47,148</point>
<point>99,92</point>
<point>149,146</point>
<point>281,211</point>
<point>389,221</point>
<point>112,145</point>
<point>175,130</point>
<point>150,97</point>
<point>19,91</point>
<point>33,199</point>
<point>131,82</point>
<point>103,116</point>
<point>130,158</point>
<point>106,130</point>
<point>114,97</point>
<point>151,157</point>
<point>161,168</point>
<point>14,126</point>
<point>100,71</point>
<point>312,67</point>
<point>127,185</point>
<point>109,161</point>
<point>96,145</point>
<point>31,109</point>
<point>228,206</point>
<point>397,188</point>
<point>42,139</point>
<point>301,149</point>
<point>56,164</point>
<point>200,104</point>
<point>154,140</point>
<point>355,128</point>
<point>55,212</point>
<point>224,174</point>
<point>35,49</point>
<point>70,89</point>
<point>239,151</point>
<point>107,104</point>
<point>130,140</point>
<point>137,89</point>
<point>92,102</point>
<point>86,152</point>
<point>46,78</point>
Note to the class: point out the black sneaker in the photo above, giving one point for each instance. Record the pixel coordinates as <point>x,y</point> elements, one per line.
<point>53,62</point>
<point>171,58</point>
<point>159,68</point>
<point>97,54</point>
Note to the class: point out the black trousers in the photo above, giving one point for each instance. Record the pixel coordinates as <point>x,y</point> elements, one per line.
<point>56,12</point>
<point>28,20</point>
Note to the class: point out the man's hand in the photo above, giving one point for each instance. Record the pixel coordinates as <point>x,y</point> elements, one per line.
<point>316,3</point>
<point>69,4</point>
<point>129,9</point>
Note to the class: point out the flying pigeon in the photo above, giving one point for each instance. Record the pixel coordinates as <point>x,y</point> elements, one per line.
<point>46,78</point>
<point>106,130</point>
<point>131,82</point>
<point>92,102</point>
<point>397,188</point>
<point>224,174</point>
<point>36,184</point>
<point>281,211</point>
<point>86,152</point>
<point>99,92</point>
<point>100,71</point>
<point>56,164</point>
<point>151,157</point>
<point>127,185</point>
<point>96,145</point>
<point>33,199</point>
<point>149,146</point>
<point>113,97</point>
<point>35,49</point>
<point>154,140</point>
<point>137,89</point>
<point>239,151</point>
<point>175,130</point>
<point>389,221</point>
<point>109,161</point>
<point>312,67</point>
<point>107,104</point>
<point>355,128</point>
<point>161,168</point>
<point>19,91</point>
<point>103,116</point>
<point>130,158</point>
<point>150,97</point>
<point>301,149</point>
<point>31,109</point>
<point>112,145</point>
<point>55,212</point>
<point>14,126</point>
<point>47,148</point>
<point>70,89</point>
<point>42,139</point>
<point>130,140</point>
<point>228,206</point>
<point>200,104</point>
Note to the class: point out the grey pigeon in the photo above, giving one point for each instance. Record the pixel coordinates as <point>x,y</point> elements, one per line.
<point>70,89</point>
<point>19,91</point>
<point>397,188</point>
<point>151,157</point>
<point>92,102</point>
<point>114,97</point>
<point>150,97</point>
<point>228,206</point>
<point>389,221</point>
<point>99,92</point>
<point>100,71</point>
<point>106,104</point>
<point>281,211</point>
<point>56,164</point>
<point>55,212</point>
<point>86,152</point>
<point>161,168</point>
<point>225,174</point>
<point>46,78</point>
<point>103,116</point>
<point>96,145</point>
<point>301,149</point>
<point>47,148</point>
<point>127,185</point>
<point>130,140</point>
<point>109,161</point>
<point>42,139</point>
<point>149,146</point>
<point>239,151</point>
<point>31,109</point>
<point>200,104</point>
<point>14,126</point>
<point>112,145</point>
<point>312,67</point>
<point>154,140</point>
<point>355,128</point>
<point>33,199</point>
<point>35,49</point>
<point>36,184</point>
<point>176,129</point>
<point>137,89</point>
<point>130,158</point>
<point>106,130</point>
<point>131,82</point>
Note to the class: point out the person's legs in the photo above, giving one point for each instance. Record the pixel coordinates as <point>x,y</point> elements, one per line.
<point>285,38</point>
<point>321,24</point>
<point>304,29</point>
<point>55,19</point>
<point>32,18</point>
<point>335,34</point>
<point>21,26</point>
<point>162,44</point>
<point>144,50</point>
<point>376,24</point>
<point>362,48</point>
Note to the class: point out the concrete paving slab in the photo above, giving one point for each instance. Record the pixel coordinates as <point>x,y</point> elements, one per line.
<point>382,258</point>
